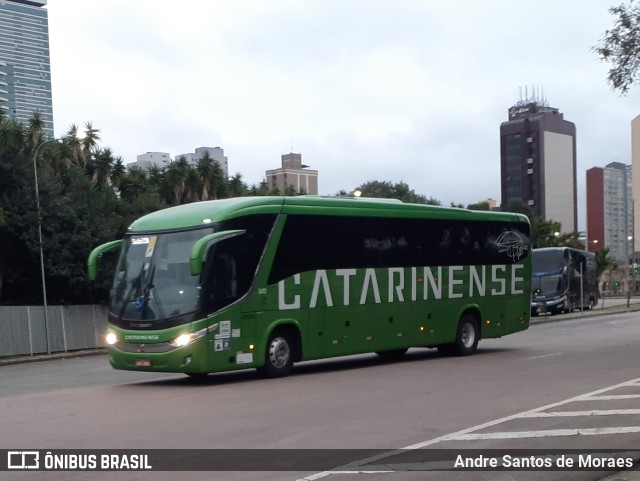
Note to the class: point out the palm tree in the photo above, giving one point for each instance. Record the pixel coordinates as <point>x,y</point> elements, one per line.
<point>192,185</point>
<point>89,143</point>
<point>133,184</point>
<point>237,188</point>
<point>155,175</point>
<point>75,144</point>
<point>175,177</point>
<point>219,184</point>
<point>35,129</point>
<point>62,157</point>
<point>12,137</point>
<point>118,170</point>
<point>205,169</point>
<point>100,166</point>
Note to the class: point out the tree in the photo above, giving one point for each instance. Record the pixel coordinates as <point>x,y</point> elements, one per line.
<point>603,261</point>
<point>89,143</point>
<point>205,171</point>
<point>545,233</point>
<point>237,188</point>
<point>100,167</point>
<point>400,191</point>
<point>484,205</point>
<point>519,207</point>
<point>175,178</point>
<point>118,170</point>
<point>620,47</point>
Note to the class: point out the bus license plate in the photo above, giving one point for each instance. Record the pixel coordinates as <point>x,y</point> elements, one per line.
<point>143,363</point>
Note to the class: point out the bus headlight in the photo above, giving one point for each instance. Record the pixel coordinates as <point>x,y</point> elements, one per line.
<point>187,338</point>
<point>111,338</point>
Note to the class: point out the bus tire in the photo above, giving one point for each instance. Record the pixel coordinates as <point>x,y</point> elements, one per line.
<point>394,355</point>
<point>467,337</point>
<point>279,355</point>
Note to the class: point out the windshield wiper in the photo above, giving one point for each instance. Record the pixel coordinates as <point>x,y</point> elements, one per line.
<point>127,298</point>
<point>147,291</point>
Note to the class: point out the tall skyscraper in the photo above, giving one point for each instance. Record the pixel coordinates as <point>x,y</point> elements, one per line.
<point>538,162</point>
<point>635,182</point>
<point>610,210</point>
<point>25,70</point>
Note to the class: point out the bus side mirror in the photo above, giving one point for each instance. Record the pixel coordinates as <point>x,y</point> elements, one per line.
<point>199,249</point>
<point>92,262</point>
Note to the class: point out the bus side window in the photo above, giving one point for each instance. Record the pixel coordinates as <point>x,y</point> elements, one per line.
<point>224,283</point>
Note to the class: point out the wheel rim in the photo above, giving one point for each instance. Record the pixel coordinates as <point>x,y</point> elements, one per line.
<point>468,334</point>
<point>279,352</point>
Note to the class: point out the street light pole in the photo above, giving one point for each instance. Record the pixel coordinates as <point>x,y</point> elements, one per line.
<point>44,283</point>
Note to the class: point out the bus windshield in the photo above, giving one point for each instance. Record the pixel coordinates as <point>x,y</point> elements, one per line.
<point>152,280</point>
<point>545,261</point>
<point>546,286</point>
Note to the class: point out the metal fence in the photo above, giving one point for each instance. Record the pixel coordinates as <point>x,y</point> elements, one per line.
<point>68,328</point>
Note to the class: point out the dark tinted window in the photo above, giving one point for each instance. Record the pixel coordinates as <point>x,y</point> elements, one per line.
<point>231,264</point>
<point>322,242</point>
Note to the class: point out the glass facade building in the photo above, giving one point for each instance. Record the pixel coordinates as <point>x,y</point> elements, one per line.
<point>25,70</point>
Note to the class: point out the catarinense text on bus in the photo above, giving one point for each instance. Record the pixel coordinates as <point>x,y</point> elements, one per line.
<point>402,284</point>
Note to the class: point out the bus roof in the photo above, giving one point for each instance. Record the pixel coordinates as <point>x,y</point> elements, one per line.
<point>201,213</point>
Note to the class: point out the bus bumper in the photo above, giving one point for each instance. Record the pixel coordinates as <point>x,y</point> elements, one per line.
<point>140,357</point>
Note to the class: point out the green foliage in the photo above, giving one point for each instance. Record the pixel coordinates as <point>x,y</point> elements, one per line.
<point>620,46</point>
<point>484,205</point>
<point>88,197</point>
<point>604,262</point>
<point>400,191</point>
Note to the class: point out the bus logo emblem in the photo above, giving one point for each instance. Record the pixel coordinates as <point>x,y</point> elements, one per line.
<point>511,243</point>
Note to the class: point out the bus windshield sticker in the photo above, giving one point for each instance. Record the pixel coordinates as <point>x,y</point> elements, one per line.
<point>152,245</point>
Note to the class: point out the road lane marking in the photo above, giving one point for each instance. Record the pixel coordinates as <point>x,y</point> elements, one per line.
<point>546,433</point>
<point>593,412</point>
<point>542,356</point>
<point>613,397</point>
<point>461,435</point>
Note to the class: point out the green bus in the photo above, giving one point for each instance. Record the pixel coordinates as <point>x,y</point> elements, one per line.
<point>264,282</point>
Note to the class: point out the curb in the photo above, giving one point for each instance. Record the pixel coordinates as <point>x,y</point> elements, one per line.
<point>49,357</point>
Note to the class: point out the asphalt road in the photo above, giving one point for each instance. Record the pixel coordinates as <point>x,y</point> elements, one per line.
<point>564,385</point>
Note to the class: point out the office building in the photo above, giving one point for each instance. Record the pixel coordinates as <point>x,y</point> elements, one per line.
<point>25,71</point>
<point>538,162</point>
<point>635,182</point>
<point>610,210</point>
<point>150,159</point>
<point>215,153</point>
<point>293,175</point>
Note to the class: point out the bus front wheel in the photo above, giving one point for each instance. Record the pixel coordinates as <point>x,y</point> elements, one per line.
<point>467,337</point>
<point>278,360</point>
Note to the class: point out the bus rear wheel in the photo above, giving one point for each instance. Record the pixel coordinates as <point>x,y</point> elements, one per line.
<point>279,356</point>
<point>467,337</point>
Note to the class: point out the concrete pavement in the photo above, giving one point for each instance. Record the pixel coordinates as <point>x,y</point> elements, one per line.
<point>634,306</point>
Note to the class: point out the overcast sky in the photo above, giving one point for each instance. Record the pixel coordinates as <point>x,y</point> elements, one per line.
<point>402,90</point>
